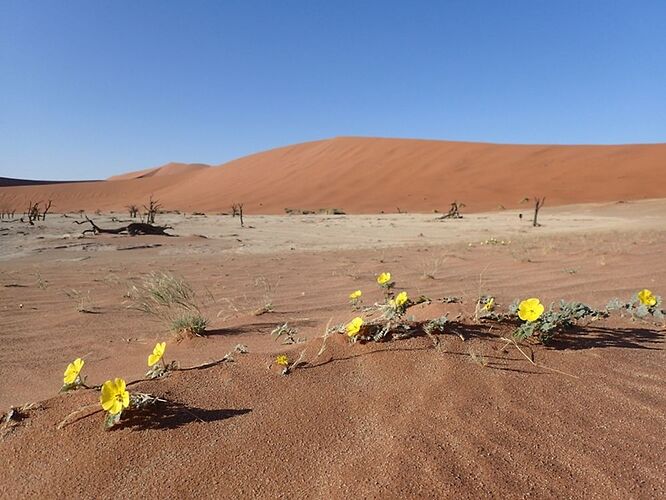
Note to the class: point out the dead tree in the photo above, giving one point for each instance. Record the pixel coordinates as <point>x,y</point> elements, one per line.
<point>32,213</point>
<point>237,210</point>
<point>151,210</point>
<point>133,211</point>
<point>133,229</point>
<point>454,211</point>
<point>538,203</point>
<point>47,207</point>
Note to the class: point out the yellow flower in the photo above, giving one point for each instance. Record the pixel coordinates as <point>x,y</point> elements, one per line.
<point>114,397</point>
<point>530,310</point>
<point>282,360</point>
<point>354,326</point>
<point>384,278</point>
<point>355,295</point>
<point>157,354</point>
<point>489,305</point>
<point>646,298</point>
<point>400,299</point>
<point>72,371</point>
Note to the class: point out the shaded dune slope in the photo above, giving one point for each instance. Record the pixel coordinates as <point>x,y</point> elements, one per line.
<point>370,175</point>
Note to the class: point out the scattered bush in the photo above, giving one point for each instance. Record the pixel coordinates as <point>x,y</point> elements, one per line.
<point>643,305</point>
<point>287,333</point>
<point>172,300</point>
<point>189,325</point>
<point>545,325</point>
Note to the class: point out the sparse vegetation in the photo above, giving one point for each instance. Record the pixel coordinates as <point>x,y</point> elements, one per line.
<point>538,203</point>
<point>189,324</point>
<point>172,300</point>
<point>286,334</point>
<point>151,210</point>
<point>237,210</point>
<point>544,325</point>
<point>269,288</point>
<point>644,305</point>
<point>83,301</point>
<point>454,211</point>
<point>133,211</point>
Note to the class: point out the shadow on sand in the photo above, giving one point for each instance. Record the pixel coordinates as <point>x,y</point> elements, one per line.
<point>172,415</point>
<point>598,336</point>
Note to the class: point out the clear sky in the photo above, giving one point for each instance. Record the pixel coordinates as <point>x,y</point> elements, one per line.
<point>89,88</point>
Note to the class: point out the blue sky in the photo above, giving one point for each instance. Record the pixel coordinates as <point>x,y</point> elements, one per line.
<point>91,88</point>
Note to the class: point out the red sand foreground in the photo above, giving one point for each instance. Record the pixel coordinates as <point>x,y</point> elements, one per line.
<point>399,419</point>
<point>369,175</point>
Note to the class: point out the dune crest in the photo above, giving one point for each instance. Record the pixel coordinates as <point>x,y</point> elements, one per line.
<point>171,168</point>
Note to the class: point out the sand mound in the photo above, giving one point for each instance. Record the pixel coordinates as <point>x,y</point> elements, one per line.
<point>172,168</point>
<point>370,175</point>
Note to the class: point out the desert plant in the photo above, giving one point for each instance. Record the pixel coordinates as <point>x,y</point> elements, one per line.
<point>355,300</point>
<point>642,305</point>
<point>478,358</point>
<point>157,366</point>
<point>286,365</point>
<point>116,399</point>
<point>171,299</point>
<point>72,378</point>
<point>384,320</point>
<point>189,325</point>
<point>83,301</point>
<point>269,289</point>
<point>544,325</point>
<point>485,307</point>
<point>287,334</point>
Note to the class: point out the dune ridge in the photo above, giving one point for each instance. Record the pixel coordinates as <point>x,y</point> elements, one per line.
<point>172,168</point>
<point>369,175</point>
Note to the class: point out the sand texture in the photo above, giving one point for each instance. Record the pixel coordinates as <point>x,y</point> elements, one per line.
<point>399,419</point>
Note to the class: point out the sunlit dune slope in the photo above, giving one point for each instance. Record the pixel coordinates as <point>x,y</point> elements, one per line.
<point>372,175</point>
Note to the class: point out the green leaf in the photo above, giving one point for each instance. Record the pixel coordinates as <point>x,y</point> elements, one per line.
<point>111,420</point>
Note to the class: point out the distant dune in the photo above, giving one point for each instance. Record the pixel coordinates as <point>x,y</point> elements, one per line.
<point>172,168</point>
<point>367,175</point>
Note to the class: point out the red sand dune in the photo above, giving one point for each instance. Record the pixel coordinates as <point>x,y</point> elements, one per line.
<point>370,175</point>
<point>172,168</point>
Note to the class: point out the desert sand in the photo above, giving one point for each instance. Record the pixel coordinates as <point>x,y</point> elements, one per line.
<point>378,420</point>
<point>370,175</point>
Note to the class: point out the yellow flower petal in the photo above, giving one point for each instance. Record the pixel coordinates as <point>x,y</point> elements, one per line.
<point>530,309</point>
<point>384,278</point>
<point>646,298</point>
<point>114,397</point>
<point>157,354</point>
<point>401,299</point>
<point>355,295</point>
<point>282,360</point>
<point>72,371</point>
<point>354,326</point>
